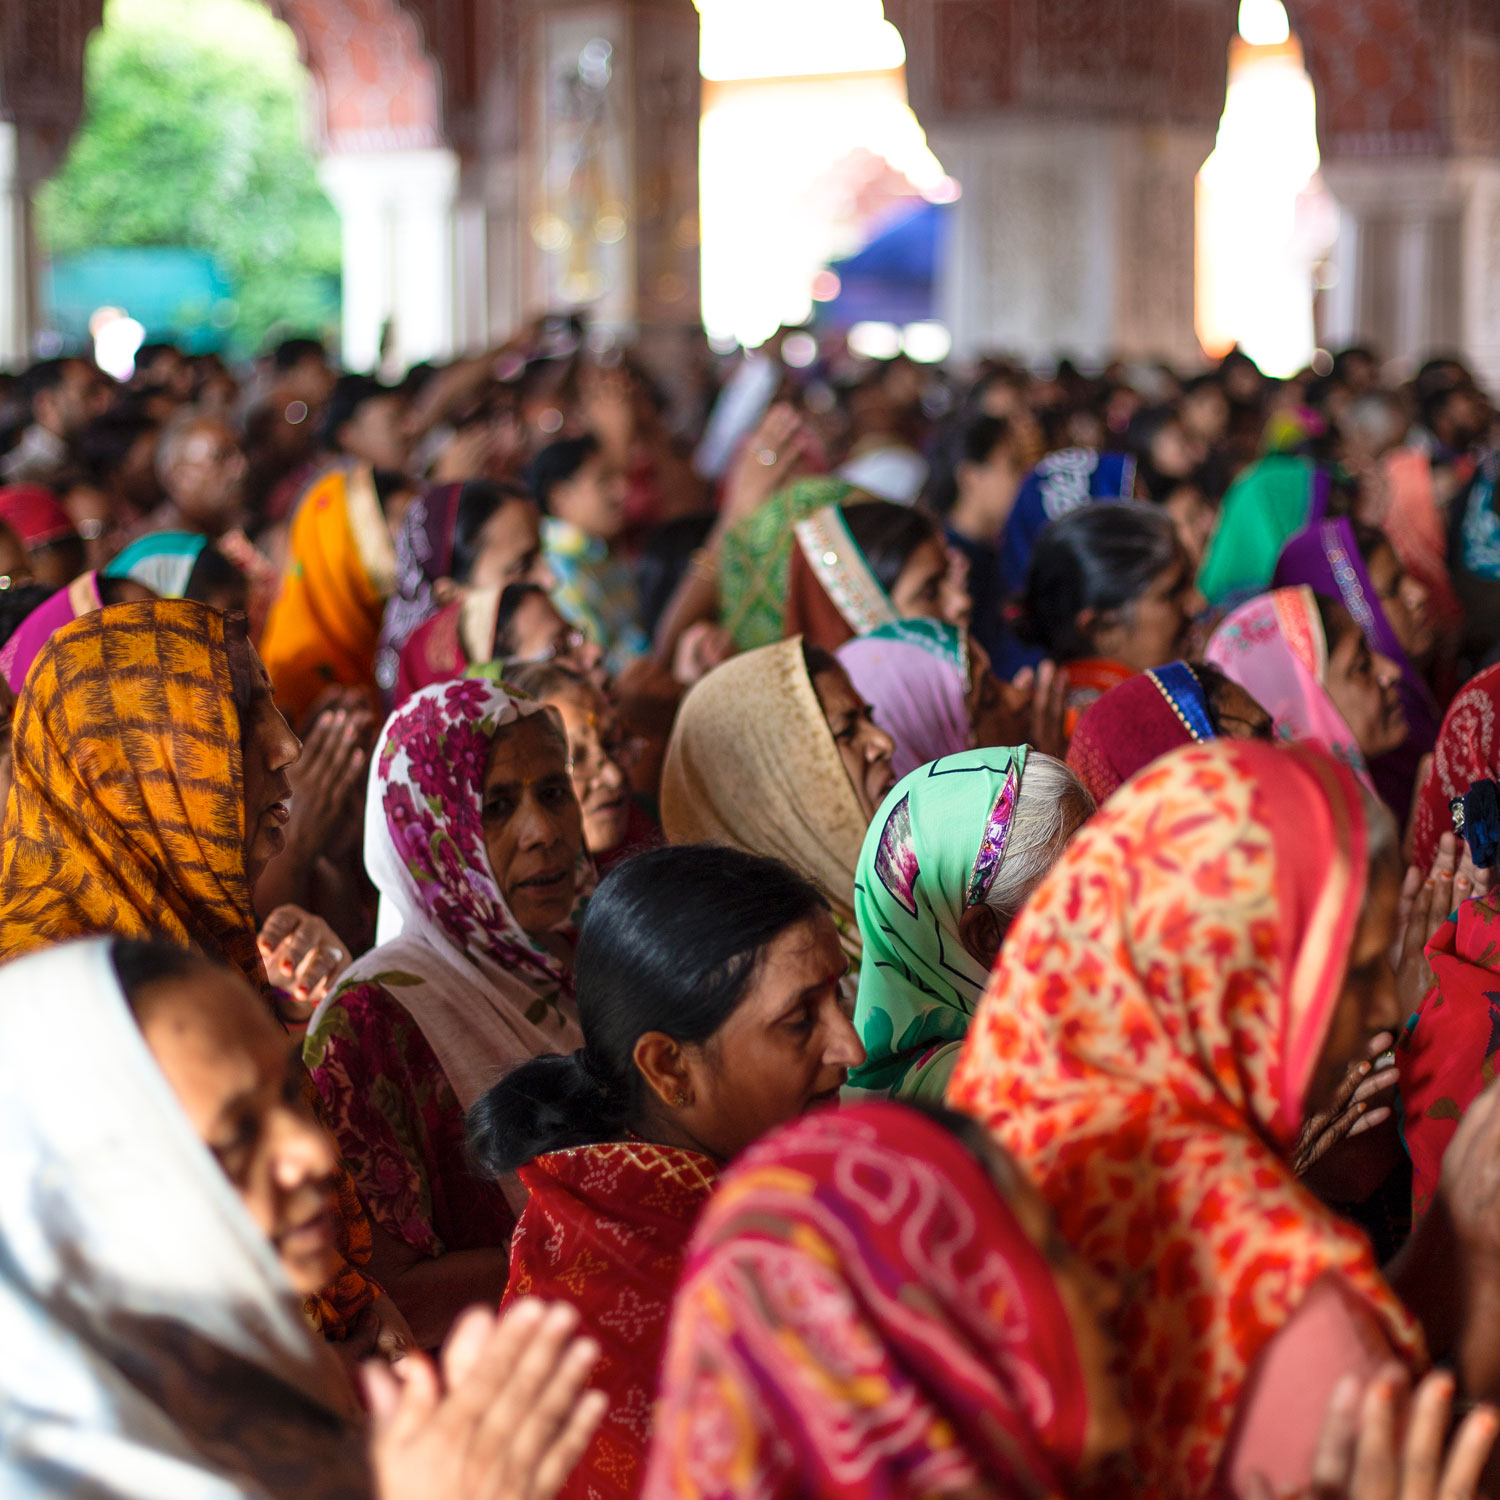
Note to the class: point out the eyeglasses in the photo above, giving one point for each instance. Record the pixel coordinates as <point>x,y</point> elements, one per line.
<point>589,760</point>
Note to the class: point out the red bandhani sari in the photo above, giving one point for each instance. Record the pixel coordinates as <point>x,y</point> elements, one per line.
<point>1447,1054</point>
<point>1144,1050</point>
<point>862,1316</point>
<point>1088,680</point>
<point>1468,750</point>
<point>1125,729</point>
<point>606,1228</point>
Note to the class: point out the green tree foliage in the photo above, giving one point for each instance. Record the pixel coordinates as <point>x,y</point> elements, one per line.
<point>194,135</point>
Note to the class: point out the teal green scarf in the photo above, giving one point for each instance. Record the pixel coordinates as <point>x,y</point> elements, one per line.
<point>931,853</point>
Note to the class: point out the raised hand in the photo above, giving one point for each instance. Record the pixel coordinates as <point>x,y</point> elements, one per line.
<point>770,459</point>
<point>303,955</point>
<point>507,1418</point>
<point>1352,1111</point>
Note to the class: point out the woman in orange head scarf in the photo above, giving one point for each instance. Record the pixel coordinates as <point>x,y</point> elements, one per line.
<point>149,765</point>
<point>325,625</point>
<point>1195,972</point>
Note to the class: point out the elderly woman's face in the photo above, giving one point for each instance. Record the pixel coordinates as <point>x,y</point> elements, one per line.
<point>533,826</point>
<point>241,1087</point>
<point>864,747</point>
<point>598,780</point>
<point>269,750</point>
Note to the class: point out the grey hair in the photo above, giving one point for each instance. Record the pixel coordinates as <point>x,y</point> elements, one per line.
<point>179,428</point>
<point>1051,805</point>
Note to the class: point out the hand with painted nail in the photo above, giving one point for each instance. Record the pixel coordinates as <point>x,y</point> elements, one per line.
<point>303,956</point>
<point>1388,1443</point>
<point>1362,1103</point>
<point>1427,905</point>
<point>502,1415</point>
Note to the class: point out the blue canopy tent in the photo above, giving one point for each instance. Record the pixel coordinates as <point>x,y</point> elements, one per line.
<point>894,278</point>
<point>177,294</point>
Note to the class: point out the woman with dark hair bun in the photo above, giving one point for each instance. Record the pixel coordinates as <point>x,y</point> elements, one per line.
<point>708,995</point>
<point>1105,596</point>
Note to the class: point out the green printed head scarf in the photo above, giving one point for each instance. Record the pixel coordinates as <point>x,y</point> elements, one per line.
<point>932,852</point>
<point>757,554</point>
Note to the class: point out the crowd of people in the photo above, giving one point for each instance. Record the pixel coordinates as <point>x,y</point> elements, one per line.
<point>772,931</point>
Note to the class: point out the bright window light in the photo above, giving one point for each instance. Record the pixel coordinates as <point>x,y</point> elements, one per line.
<point>795,38</point>
<point>875,340</point>
<point>1263,23</point>
<point>927,343</point>
<point>1264,219</point>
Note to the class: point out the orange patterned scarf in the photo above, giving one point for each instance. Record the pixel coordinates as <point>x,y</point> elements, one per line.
<point>126,814</point>
<point>325,626</point>
<point>1144,1050</point>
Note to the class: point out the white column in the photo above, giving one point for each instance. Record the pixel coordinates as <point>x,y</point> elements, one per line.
<point>1479,259</point>
<point>1414,270</point>
<point>1071,236</point>
<point>1342,316</point>
<point>17,254</point>
<point>397,209</point>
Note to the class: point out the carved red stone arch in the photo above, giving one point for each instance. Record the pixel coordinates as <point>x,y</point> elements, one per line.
<point>378,83</point>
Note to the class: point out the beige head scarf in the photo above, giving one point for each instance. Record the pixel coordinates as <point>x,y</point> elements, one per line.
<point>752,763</point>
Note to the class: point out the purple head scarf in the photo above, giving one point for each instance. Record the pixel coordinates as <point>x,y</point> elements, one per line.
<point>1325,556</point>
<point>81,597</point>
<point>424,553</point>
<point>915,675</point>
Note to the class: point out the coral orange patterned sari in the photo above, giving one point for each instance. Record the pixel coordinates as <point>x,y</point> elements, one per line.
<point>606,1228</point>
<point>1144,1051</point>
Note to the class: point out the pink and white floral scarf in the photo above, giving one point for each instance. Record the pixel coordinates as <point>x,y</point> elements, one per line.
<point>485,995</point>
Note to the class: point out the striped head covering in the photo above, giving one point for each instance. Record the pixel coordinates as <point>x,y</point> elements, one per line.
<point>163,561</point>
<point>127,814</point>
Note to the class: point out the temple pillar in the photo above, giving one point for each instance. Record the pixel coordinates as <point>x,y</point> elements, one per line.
<point>1072,236</point>
<point>1075,130</point>
<point>397,212</point>
<point>18,260</point>
<point>1411,151</point>
<point>608,104</point>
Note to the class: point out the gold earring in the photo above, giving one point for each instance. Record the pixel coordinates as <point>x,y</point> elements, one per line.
<point>680,1099</point>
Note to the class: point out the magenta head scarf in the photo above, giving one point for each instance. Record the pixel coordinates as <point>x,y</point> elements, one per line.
<point>915,675</point>
<point>81,597</point>
<point>1274,647</point>
<point>1326,557</point>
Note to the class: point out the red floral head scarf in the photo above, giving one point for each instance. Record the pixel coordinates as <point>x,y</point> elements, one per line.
<point>1468,750</point>
<point>861,1315</point>
<point>1144,1050</point>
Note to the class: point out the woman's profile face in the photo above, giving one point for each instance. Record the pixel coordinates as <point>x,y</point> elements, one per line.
<point>918,592</point>
<point>241,1086</point>
<point>787,1047</point>
<point>598,780</point>
<point>1367,1004</point>
<point>268,750</point>
<point>990,720</point>
<point>1362,685</point>
<point>1153,629</point>
<point>864,747</point>
<point>533,827</point>
<point>1404,601</point>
